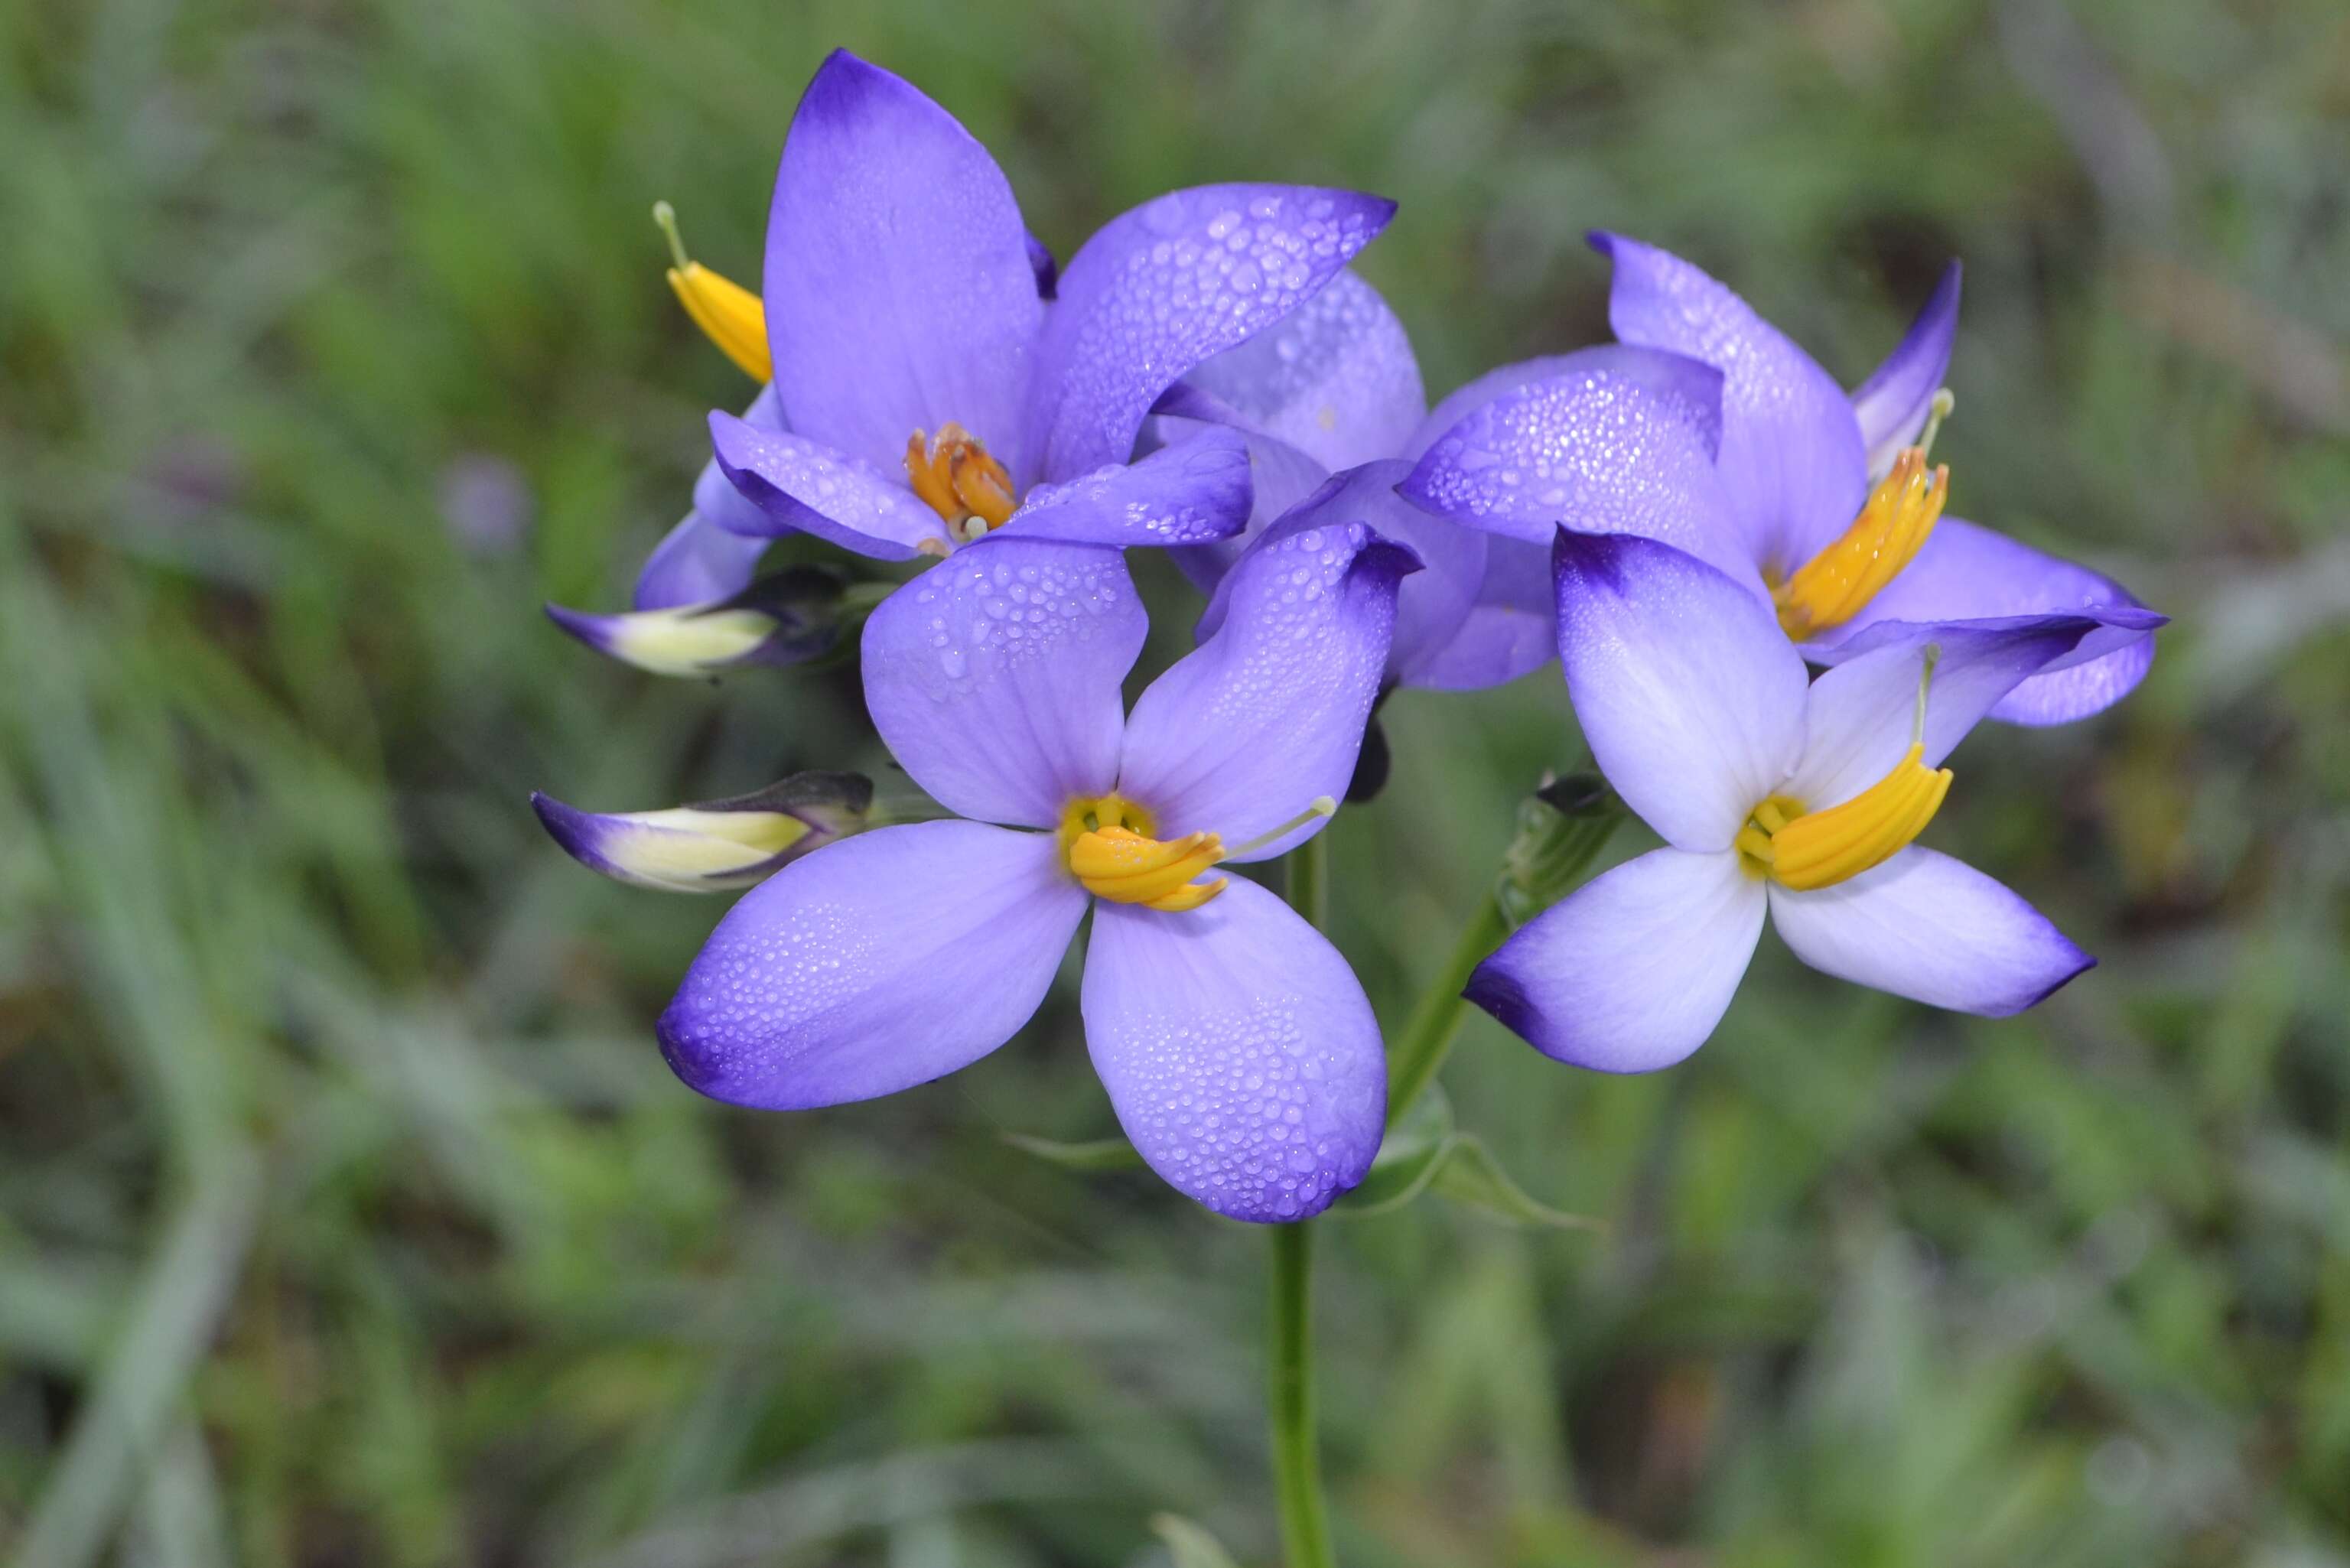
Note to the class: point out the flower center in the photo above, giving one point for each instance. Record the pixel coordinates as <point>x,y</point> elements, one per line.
<point>731,314</point>
<point>969,491</point>
<point>1107,843</point>
<point>1894,524</point>
<point>1805,850</point>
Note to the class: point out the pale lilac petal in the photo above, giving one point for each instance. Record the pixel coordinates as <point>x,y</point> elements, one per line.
<point>1631,972</point>
<point>1192,492</point>
<point>877,963</point>
<point>1689,695</point>
<point>1239,1051</point>
<point>1862,712</point>
<point>1512,629</point>
<point>1246,731</point>
<point>1463,402</point>
<point>1335,378</point>
<point>1434,600</point>
<point>1281,477</point>
<point>1967,572</point>
<point>1623,442</point>
<point>796,483</point>
<point>899,289</point>
<point>696,562</point>
<point>1160,289</point>
<point>1933,929</point>
<point>1892,404</point>
<point>994,677</point>
<point>1792,457</point>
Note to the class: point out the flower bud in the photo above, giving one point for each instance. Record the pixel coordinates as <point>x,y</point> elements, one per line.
<point>787,618</point>
<point>1562,826</point>
<point>712,845</point>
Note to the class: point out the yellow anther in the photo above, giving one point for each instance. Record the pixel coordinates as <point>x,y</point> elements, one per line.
<point>730,314</point>
<point>969,491</point>
<point>1803,850</point>
<point>1110,852</point>
<point>1821,848</point>
<point>1837,585</point>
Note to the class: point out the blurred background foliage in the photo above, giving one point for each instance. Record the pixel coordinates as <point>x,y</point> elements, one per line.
<point>348,1214</point>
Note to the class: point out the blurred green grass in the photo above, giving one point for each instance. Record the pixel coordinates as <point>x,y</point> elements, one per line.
<point>347,1213</point>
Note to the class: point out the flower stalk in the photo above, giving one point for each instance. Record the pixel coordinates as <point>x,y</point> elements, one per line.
<point>1289,1323</point>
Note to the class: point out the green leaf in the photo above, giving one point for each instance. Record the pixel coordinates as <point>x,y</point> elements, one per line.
<point>1101,1154</point>
<point>1469,1174</point>
<point>1189,1545</point>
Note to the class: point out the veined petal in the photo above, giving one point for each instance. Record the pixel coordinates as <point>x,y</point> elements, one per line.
<point>1434,601</point>
<point>1689,695</point>
<point>1933,929</point>
<point>1239,1051</point>
<point>994,677</point>
<point>1190,492</point>
<point>1166,285</point>
<point>1791,457</point>
<point>1244,733</point>
<point>1892,404</point>
<point>1623,442</point>
<point>696,563</point>
<point>1967,572</point>
<point>1511,629</point>
<point>900,291</point>
<point>712,845</point>
<point>1862,712</point>
<point>797,483</point>
<point>1631,972</point>
<point>887,961</point>
<point>1335,378</point>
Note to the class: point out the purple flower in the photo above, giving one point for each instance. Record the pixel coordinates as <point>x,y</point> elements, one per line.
<point>930,369</point>
<point>1823,501</point>
<point>1770,794</point>
<point>712,845</point>
<point>1332,403</point>
<point>1236,1045</point>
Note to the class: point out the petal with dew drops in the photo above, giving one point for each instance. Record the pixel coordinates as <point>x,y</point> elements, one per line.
<point>877,963</point>
<point>796,483</point>
<point>900,291</point>
<point>1244,733</point>
<point>1791,457</point>
<point>1631,972</point>
<point>1194,491</point>
<point>1933,929</point>
<point>1336,377</point>
<point>1164,286</point>
<point>1239,1051</point>
<point>993,678</point>
<point>1689,695</point>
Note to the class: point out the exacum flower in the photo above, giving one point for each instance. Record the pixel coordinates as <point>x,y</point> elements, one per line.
<point>1333,389</point>
<point>1237,1046</point>
<point>712,845</point>
<point>1826,498</point>
<point>1770,794</point>
<point>931,369</point>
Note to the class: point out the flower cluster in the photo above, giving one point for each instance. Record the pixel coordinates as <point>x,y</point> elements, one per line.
<point>1690,518</point>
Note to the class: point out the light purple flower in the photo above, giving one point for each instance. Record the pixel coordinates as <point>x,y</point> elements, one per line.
<point>1798,462</point>
<point>712,845</point>
<point>931,373</point>
<point>1331,396</point>
<point>1237,1047</point>
<point>1770,794</point>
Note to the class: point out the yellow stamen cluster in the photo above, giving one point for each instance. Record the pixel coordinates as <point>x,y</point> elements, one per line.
<point>731,314</point>
<point>1111,850</point>
<point>969,491</point>
<point>1803,850</point>
<point>1835,585</point>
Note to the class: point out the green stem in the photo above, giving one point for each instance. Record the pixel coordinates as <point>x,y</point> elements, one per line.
<point>1296,1458</point>
<point>1428,1034</point>
<point>1289,1323</point>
